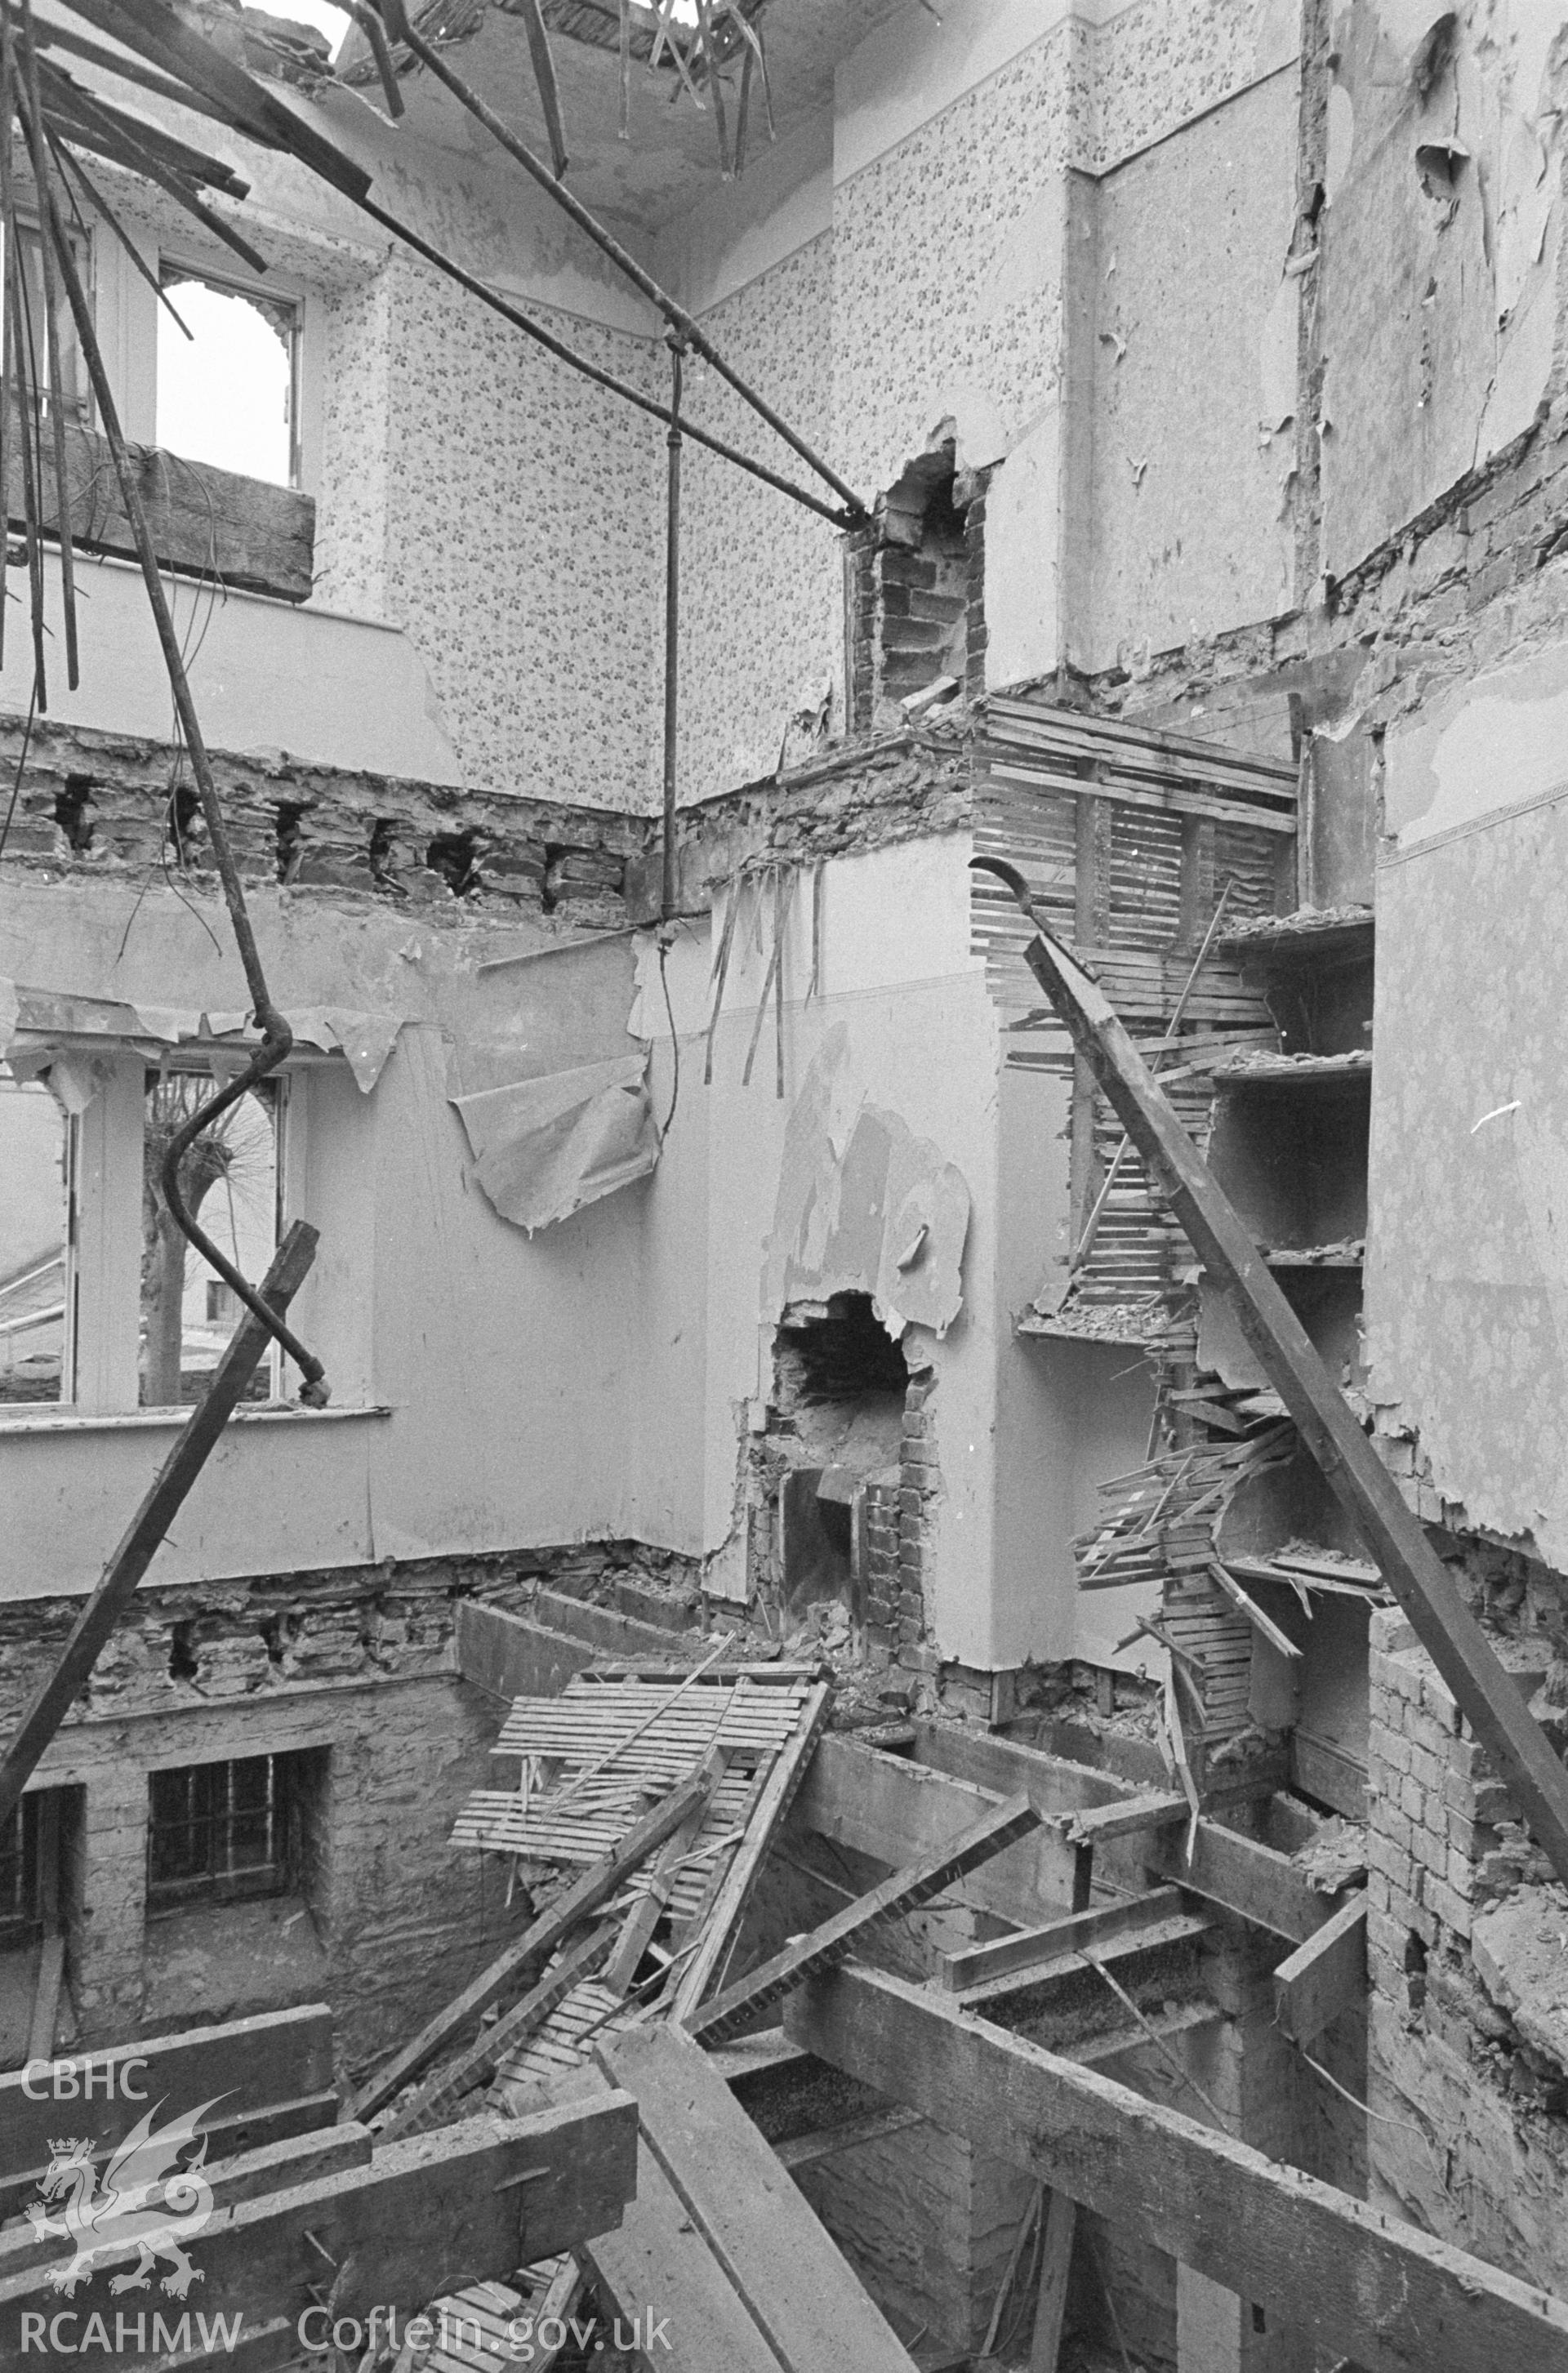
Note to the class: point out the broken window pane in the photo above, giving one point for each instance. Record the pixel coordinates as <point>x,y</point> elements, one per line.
<point>228,393</point>
<point>230,1180</point>
<point>36,1141</point>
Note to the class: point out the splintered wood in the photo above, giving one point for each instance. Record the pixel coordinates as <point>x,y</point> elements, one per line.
<point>601,1767</point>
<point>610,1746</point>
<point>1162,1524</point>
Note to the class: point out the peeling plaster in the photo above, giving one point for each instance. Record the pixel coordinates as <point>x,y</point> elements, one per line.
<point>1439,301</point>
<point>864,1206</point>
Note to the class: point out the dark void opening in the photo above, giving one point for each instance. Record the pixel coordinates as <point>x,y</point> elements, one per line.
<point>838,1419</point>
<point>923,602</point>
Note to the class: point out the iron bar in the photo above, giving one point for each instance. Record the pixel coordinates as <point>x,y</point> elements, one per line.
<point>668,898</point>
<point>565,353</point>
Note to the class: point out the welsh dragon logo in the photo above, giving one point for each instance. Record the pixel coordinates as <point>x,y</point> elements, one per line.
<point>148,2202</point>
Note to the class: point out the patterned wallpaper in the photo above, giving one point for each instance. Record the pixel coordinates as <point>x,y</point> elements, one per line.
<point>1157,66</point>
<point>510,516</point>
<point>946,292</point>
<point>762,579</point>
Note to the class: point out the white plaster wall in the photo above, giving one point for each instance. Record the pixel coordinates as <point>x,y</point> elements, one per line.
<point>506,1366</point>
<point>896,978</point>
<point>267,676</point>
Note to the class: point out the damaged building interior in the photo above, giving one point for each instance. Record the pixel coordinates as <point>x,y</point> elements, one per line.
<point>783,1262</point>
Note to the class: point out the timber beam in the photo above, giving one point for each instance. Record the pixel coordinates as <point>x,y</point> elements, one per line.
<point>893,1810</point>
<point>1321,2265</point>
<point>425,2215</point>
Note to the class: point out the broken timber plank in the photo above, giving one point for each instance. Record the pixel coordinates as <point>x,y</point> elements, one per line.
<point>1488,1697</point>
<point>1013,1819</point>
<point>193,1445</point>
<point>247,2066</point>
<point>722,1921</point>
<point>802,2299</point>
<point>440,2101</point>
<point>594,1887</point>
<point>653,1900</point>
<point>1325,1976</point>
<point>1322,2264</point>
<point>426,2215</point>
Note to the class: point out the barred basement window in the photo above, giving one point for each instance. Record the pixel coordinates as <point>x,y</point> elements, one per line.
<point>221,1832</point>
<point>21,1910</point>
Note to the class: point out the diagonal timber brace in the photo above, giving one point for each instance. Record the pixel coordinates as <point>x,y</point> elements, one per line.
<point>1488,1696</point>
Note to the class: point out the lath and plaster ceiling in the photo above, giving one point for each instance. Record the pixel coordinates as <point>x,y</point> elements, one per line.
<point>672,158</point>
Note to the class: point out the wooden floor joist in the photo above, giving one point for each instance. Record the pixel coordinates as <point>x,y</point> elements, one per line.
<point>917,1883</point>
<point>1361,2285</point>
<point>1325,1976</point>
<point>270,2077</point>
<point>893,1809</point>
<point>475,2201</point>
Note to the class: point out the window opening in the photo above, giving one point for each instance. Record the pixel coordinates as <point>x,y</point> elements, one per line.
<point>22,1906</point>
<point>37,1285</point>
<point>232,1178</point>
<point>75,394</point>
<point>222,1831</point>
<point>229,394</point>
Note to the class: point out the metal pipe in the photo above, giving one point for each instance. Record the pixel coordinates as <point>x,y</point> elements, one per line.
<point>676,315</point>
<point>669,898</point>
<point>565,353</point>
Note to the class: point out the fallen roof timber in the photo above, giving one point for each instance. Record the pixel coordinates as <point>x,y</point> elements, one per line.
<point>1363,2285</point>
<point>426,2215</point>
<point>596,1886</point>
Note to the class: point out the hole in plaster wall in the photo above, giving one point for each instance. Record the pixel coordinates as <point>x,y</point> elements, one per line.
<point>72,804</point>
<point>184,823</point>
<point>289,842</point>
<point>183,1664</point>
<point>834,1445</point>
<point>227,394</point>
<point>1415,1970</point>
<point>451,854</point>
<point>1434,55</point>
<point>382,848</point>
<point>921,612</point>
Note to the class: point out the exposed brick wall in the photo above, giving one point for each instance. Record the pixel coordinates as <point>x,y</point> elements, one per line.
<point>1469,2129</point>
<point>979,633</point>
<point>900,1532</point>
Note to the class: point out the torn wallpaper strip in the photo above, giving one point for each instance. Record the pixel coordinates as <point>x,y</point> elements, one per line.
<point>542,1147</point>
